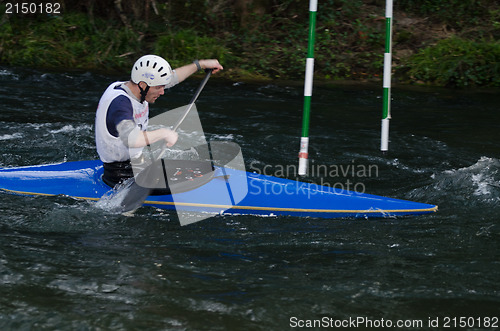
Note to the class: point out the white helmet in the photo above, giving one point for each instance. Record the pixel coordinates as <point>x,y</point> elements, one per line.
<point>153,70</point>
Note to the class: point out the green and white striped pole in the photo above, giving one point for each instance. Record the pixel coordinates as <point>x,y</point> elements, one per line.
<point>304,140</point>
<point>386,112</point>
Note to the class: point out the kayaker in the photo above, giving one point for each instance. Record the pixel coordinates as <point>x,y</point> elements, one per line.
<point>124,110</point>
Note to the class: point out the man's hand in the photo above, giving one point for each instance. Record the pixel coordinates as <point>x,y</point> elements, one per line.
<point>169,136</point>
<point>211,64</point>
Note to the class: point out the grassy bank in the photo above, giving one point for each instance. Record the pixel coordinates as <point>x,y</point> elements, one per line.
<point>431,46</point>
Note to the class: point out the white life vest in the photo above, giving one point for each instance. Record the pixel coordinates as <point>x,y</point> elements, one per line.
<point>109,147</point>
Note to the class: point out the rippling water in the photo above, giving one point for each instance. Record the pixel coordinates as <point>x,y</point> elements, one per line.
<point>67,265</point>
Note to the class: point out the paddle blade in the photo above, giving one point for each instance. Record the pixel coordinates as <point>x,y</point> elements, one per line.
<point>134,198</point>
<point>124,198</point>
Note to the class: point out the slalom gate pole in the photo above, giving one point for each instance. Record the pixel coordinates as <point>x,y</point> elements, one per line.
<point>386,111</point>
<point>304,140</point>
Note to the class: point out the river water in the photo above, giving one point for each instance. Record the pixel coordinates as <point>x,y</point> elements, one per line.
<point>66,265</point>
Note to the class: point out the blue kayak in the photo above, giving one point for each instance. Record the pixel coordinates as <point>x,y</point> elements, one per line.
<point>263,195</point>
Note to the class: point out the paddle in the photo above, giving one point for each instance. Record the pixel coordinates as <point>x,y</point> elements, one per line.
<point>135,194</point>
<point>195,97</point>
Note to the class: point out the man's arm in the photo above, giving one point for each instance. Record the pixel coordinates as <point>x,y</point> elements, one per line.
<point>189,69</point>
<point>132,136</point>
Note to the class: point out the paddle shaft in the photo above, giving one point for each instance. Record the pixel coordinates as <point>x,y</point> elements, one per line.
<point>193,100</point>
<point>191,103</point>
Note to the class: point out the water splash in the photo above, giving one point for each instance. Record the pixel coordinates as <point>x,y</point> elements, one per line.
<point>481,179</point>
<point>475,186</point>
<point>112,201</point>
<point>16,135</point>
<point>70,128</point>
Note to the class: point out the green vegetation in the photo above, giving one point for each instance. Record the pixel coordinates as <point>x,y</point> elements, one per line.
<point>67,41</point>
<point>458,62</point>
<point>456,13</point>
<point>441,42</point>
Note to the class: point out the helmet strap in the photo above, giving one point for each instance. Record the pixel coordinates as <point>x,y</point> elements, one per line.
<point>144,92</point>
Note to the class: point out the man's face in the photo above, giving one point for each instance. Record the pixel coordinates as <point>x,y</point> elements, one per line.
<point>154,93</point>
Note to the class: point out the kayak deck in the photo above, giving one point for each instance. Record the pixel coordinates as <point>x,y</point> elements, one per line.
<point>229,192</point>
